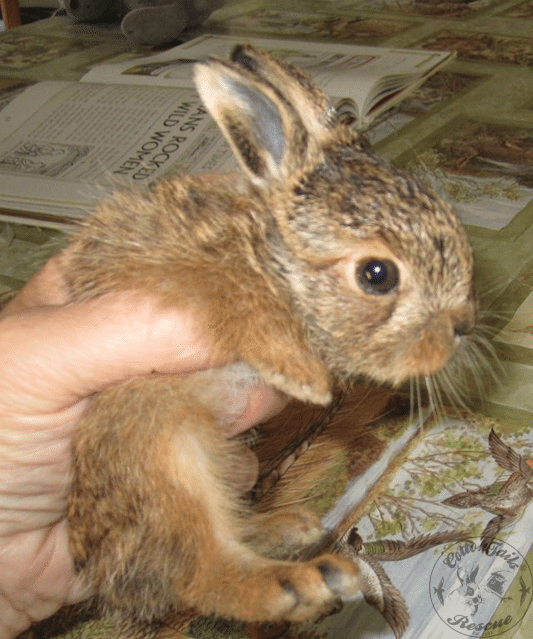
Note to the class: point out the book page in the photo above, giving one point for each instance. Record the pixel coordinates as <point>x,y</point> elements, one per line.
<point>65,144</point>
<point>362,74</point>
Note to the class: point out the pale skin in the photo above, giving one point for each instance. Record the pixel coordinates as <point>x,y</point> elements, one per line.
<point>54,356</point>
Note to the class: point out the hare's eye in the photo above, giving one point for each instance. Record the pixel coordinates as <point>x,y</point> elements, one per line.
<point>377,277</point>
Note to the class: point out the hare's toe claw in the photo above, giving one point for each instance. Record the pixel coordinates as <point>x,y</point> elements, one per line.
<point>312,588</point>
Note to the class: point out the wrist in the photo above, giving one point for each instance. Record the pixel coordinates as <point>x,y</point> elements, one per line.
<point>12,620</point>
<point>37,578</point>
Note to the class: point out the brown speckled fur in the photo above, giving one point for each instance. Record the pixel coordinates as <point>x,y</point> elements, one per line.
<point>267,261</point>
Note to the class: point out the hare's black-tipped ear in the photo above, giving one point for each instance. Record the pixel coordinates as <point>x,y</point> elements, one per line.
<point>296,87</point>
<point>271,120</point>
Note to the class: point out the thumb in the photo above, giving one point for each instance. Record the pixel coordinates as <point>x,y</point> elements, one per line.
<point>52,356</point>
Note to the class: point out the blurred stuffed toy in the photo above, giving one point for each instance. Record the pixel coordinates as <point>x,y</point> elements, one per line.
<point>148,22</point>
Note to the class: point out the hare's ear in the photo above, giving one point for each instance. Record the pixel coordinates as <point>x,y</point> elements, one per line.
<point>473,575</point>
<point>272,115</point>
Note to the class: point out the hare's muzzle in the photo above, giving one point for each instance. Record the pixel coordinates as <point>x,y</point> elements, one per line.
<point>439,340</point>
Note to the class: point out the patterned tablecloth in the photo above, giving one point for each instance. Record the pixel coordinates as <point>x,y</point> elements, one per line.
<point>407,482</point>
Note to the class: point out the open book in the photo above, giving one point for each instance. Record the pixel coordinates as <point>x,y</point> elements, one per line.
<point>63,145</point>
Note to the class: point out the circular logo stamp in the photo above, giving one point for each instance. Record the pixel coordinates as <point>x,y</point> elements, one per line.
<point>477,593</point>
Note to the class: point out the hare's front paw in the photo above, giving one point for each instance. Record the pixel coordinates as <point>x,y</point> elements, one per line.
<point>283,533</point>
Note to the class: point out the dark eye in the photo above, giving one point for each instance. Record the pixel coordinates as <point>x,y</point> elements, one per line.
<point>377,277</point>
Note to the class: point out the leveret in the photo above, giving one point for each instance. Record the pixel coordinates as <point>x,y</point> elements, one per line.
<point>321,262</point>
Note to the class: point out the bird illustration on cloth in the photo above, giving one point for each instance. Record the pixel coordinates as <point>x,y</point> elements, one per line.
<point>505,499</point>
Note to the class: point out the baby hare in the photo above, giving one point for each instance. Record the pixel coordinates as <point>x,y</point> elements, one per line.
<point>320,262</point>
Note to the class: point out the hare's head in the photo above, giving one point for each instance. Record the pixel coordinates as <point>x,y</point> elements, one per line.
<point>469,589</point>
<point>379,269</point>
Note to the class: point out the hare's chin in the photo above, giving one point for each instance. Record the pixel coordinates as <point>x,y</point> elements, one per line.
<point>418,365</point>
<point>429,365</point>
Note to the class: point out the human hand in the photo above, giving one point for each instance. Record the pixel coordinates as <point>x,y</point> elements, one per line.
<point>54,356</point>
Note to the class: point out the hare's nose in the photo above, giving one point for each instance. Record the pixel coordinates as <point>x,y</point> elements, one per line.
<point>462,328</point>
<point>463,321</point>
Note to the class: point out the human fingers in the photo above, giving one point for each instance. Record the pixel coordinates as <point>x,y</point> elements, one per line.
<point>263,402</point>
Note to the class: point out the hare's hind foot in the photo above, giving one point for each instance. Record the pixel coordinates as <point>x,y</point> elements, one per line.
<point>156,518</point>
<point>277,590</point>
